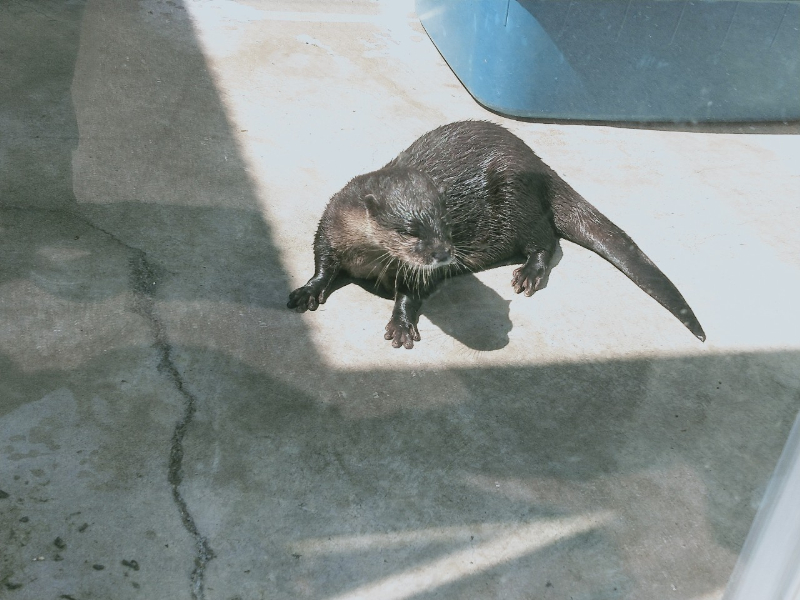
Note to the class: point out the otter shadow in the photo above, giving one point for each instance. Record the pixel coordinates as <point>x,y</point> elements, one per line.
<point>470,312</point>
<point>463,307</point>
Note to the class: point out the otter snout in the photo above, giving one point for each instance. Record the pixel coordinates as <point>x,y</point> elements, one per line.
<point>441,254</point>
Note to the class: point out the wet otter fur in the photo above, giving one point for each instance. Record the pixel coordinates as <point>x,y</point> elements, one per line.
<point>464,197</point>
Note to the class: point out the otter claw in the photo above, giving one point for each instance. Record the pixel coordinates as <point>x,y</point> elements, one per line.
<point>402,334</point>
<point>527,282</point>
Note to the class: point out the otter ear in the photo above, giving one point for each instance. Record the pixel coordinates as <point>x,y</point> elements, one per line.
<point>371,202</point>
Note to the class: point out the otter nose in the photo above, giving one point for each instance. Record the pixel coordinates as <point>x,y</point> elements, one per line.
<point>441,255</point>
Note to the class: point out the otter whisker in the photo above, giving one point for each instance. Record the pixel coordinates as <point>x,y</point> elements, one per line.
<point>382,261</point>
<point>389,262</point>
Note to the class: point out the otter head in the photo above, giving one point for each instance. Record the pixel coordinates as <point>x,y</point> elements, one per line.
<point>410,213</point>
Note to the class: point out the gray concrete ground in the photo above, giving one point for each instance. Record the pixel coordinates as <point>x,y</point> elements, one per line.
<point>168,430</point>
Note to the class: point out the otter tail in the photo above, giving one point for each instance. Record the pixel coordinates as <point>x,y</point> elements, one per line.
<point>578,221</point>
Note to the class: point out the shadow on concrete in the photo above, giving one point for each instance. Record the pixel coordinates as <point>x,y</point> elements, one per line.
<point>343,491</point>
<point>272,468</point>
<point>38,49</point>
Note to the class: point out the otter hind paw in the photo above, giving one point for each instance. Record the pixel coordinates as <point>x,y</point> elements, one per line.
<point>532,276</point>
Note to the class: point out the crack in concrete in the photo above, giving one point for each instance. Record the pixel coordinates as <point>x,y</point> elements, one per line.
<point>144,281</point>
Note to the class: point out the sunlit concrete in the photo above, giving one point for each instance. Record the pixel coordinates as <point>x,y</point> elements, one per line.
<point>168,429</point>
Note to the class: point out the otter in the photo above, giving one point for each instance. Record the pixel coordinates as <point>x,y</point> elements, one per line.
<point>462,198</point>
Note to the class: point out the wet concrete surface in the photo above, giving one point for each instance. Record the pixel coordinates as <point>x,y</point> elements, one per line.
<point>168,429</point>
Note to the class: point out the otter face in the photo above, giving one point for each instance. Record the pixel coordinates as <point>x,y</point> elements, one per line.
<point>411,218</point>
<point>423,246</point>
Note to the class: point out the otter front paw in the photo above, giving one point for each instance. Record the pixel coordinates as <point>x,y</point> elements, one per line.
<point>402,333</point>
<point>308,297</point>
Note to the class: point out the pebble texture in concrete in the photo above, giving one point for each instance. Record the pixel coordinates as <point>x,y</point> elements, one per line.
<point>168,429</point>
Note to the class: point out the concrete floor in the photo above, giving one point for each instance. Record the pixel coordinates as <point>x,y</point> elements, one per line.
<point>169,430</point>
